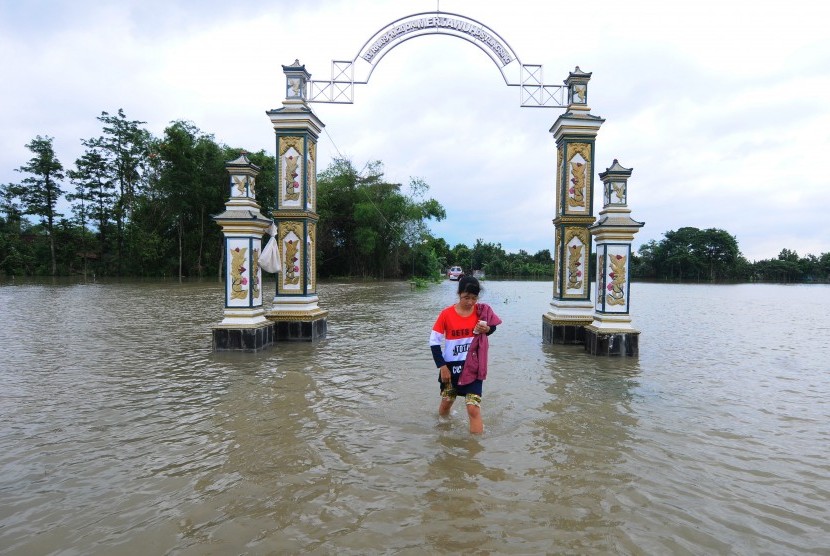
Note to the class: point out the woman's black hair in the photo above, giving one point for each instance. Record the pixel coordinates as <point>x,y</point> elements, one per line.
<point>468,284</point>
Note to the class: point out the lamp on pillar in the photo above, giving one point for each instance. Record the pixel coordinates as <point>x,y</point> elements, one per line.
<point>244,327</point>
<point>295,311</point>
<point>577,83</point>
<point>611,332</point>
<point>575,133</point>
<point>296,82</point>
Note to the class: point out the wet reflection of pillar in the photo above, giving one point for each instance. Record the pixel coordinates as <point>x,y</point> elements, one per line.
<point>590,444</point>
<point>459,506</point>
<point>273,479</point>
<point>575,132</point>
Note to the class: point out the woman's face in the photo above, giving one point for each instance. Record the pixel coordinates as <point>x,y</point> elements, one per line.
<point>467,300</point>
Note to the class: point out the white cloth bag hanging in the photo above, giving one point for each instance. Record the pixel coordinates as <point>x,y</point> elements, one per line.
<point>269,260</point>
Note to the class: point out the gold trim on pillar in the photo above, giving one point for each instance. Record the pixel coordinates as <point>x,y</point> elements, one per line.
<point>576,259</point>
<point>578,187</point>
<point>238,282</point>
<point>290,168</point>
<point>559,156</point>
<point>312,260</point>
<point>292,270</point>
<point>557,256</point>
<point>311,176</point>
<point>617,286</point>
<point>294,316</point>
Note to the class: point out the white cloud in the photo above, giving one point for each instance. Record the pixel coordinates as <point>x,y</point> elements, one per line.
<point>720,107</point>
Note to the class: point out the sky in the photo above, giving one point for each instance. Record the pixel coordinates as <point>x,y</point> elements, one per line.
<point>722,108</point>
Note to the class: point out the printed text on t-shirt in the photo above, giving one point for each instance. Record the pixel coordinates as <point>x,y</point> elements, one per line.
<point>460,333</point>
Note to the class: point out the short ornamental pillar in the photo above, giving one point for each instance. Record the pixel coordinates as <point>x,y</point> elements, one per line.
<point>611,331</point>
<point>244,326</point>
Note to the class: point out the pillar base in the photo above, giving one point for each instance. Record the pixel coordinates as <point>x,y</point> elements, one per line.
<point>304,327</point>
<point>610,342</point>
<point>561,331</point>
<point>243,338</point>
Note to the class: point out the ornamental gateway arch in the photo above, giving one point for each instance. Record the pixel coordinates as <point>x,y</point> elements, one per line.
<point>602,325</point>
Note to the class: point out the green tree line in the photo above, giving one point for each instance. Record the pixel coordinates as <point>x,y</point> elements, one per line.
<point>142,206</point>
<point>712,255</point>
<point>371,228</point>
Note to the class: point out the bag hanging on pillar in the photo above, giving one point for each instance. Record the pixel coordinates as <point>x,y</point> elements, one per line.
<point>269,260</point>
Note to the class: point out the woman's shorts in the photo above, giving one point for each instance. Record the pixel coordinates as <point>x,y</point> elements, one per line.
<point>471,392</point>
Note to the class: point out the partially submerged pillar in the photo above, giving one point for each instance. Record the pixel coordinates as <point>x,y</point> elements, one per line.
<point>611,332</point>
<point>575,133</point>
<point>244,326</point>
<point>295,311</point>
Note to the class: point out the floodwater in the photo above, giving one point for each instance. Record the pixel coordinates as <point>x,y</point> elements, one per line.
<point>122,433</point>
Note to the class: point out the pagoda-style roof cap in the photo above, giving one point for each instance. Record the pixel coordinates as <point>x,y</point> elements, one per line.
<point>295,66</point>
<point>616,221</point>
<point>616,170</point>
<point>577,75</point>
<point>241,162</point>
<point>242,214</point>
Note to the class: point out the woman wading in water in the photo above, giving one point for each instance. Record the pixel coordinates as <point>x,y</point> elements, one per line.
<point>459,346</point>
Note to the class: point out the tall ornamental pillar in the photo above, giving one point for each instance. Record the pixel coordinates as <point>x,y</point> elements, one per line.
<point>295,311</point>
<point>245,327</point>
<point>575,132</point>
<point>611,332</point>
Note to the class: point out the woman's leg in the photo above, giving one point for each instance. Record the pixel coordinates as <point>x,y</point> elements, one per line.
<point>447,398</point>
<point>476,424</point>
<point>474,413</point>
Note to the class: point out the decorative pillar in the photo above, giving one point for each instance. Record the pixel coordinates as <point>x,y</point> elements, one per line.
<point>245,327</point>
<point>611,332</point>
<point>295,311</point>
<point>575,133</point>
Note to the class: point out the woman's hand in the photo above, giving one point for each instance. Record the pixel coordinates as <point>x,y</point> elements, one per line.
<point>445,374</point>
<point>481,328</point>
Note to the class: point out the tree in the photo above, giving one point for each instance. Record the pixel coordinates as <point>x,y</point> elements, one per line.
<point>92,199</point>
<point>15,257</point>
<point>683,253</point>
<point>94,180</point>
<point>171,230</point>
<point>124,146</point>
<point>441,249</point>
<point>367,226</point>
<point>720,252</point>
<point>462,256</point>
<point>691,254</point>
<point>40,191</point>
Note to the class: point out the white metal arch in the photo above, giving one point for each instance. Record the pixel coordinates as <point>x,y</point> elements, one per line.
<point>345,74</point>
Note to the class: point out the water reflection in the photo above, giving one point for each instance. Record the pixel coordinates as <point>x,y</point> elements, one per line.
<point>585,437</point>
<point>121,431</point>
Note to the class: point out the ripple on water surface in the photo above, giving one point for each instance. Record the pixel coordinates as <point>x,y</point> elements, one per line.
<point>121,430</point>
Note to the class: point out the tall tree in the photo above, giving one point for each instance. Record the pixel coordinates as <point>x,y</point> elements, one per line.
<point>92,200</point>
<point>369,227</point>
<point>192,182</point>
<point>12,259</point>
<point>720,251</point>
<point>40,190</point>
<point>94,181</point>
<point>124,146</point>
<point>691,254</point>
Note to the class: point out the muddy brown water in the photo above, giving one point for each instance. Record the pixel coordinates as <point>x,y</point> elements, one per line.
<point>122,433</point>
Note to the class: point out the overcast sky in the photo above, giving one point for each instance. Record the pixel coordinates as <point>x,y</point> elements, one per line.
<point>722,107</point>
